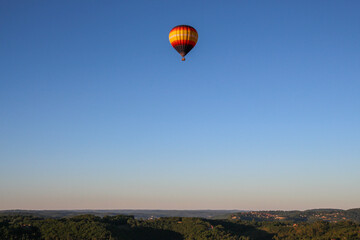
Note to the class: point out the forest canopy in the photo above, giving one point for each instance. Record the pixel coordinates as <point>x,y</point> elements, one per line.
<point>122,227</point>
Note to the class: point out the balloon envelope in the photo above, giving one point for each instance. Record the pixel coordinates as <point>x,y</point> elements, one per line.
<point>183,38</point>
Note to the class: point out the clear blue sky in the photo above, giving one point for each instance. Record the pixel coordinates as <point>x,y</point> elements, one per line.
<point>98,111</point>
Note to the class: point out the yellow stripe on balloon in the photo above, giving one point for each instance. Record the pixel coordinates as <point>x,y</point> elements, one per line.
<point>187,37</point>
<point>193,34</point>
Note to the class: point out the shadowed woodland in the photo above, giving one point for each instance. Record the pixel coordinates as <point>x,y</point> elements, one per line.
<point>123,227</point>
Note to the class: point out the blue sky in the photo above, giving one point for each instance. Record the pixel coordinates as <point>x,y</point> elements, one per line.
<point>97,111</point>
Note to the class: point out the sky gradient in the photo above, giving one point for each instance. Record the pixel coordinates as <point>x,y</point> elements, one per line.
<point>97,111</point>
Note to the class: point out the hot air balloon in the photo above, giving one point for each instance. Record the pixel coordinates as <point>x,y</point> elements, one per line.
<point>183,38</point>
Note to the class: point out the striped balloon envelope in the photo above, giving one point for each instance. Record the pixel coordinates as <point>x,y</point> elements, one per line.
<point>183,38</point>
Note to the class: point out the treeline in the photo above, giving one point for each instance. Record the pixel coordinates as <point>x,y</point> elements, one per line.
<point>330,215</point>
<point>101,213</point>
<point>173,228</point>
<point>316,214</point>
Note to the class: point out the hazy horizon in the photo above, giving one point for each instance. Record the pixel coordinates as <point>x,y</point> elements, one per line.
<point>97,110</point>
<point>155,209</point>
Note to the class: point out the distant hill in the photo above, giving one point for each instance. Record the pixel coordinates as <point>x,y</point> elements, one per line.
<point>329,215</point>
<point>145,214</point>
